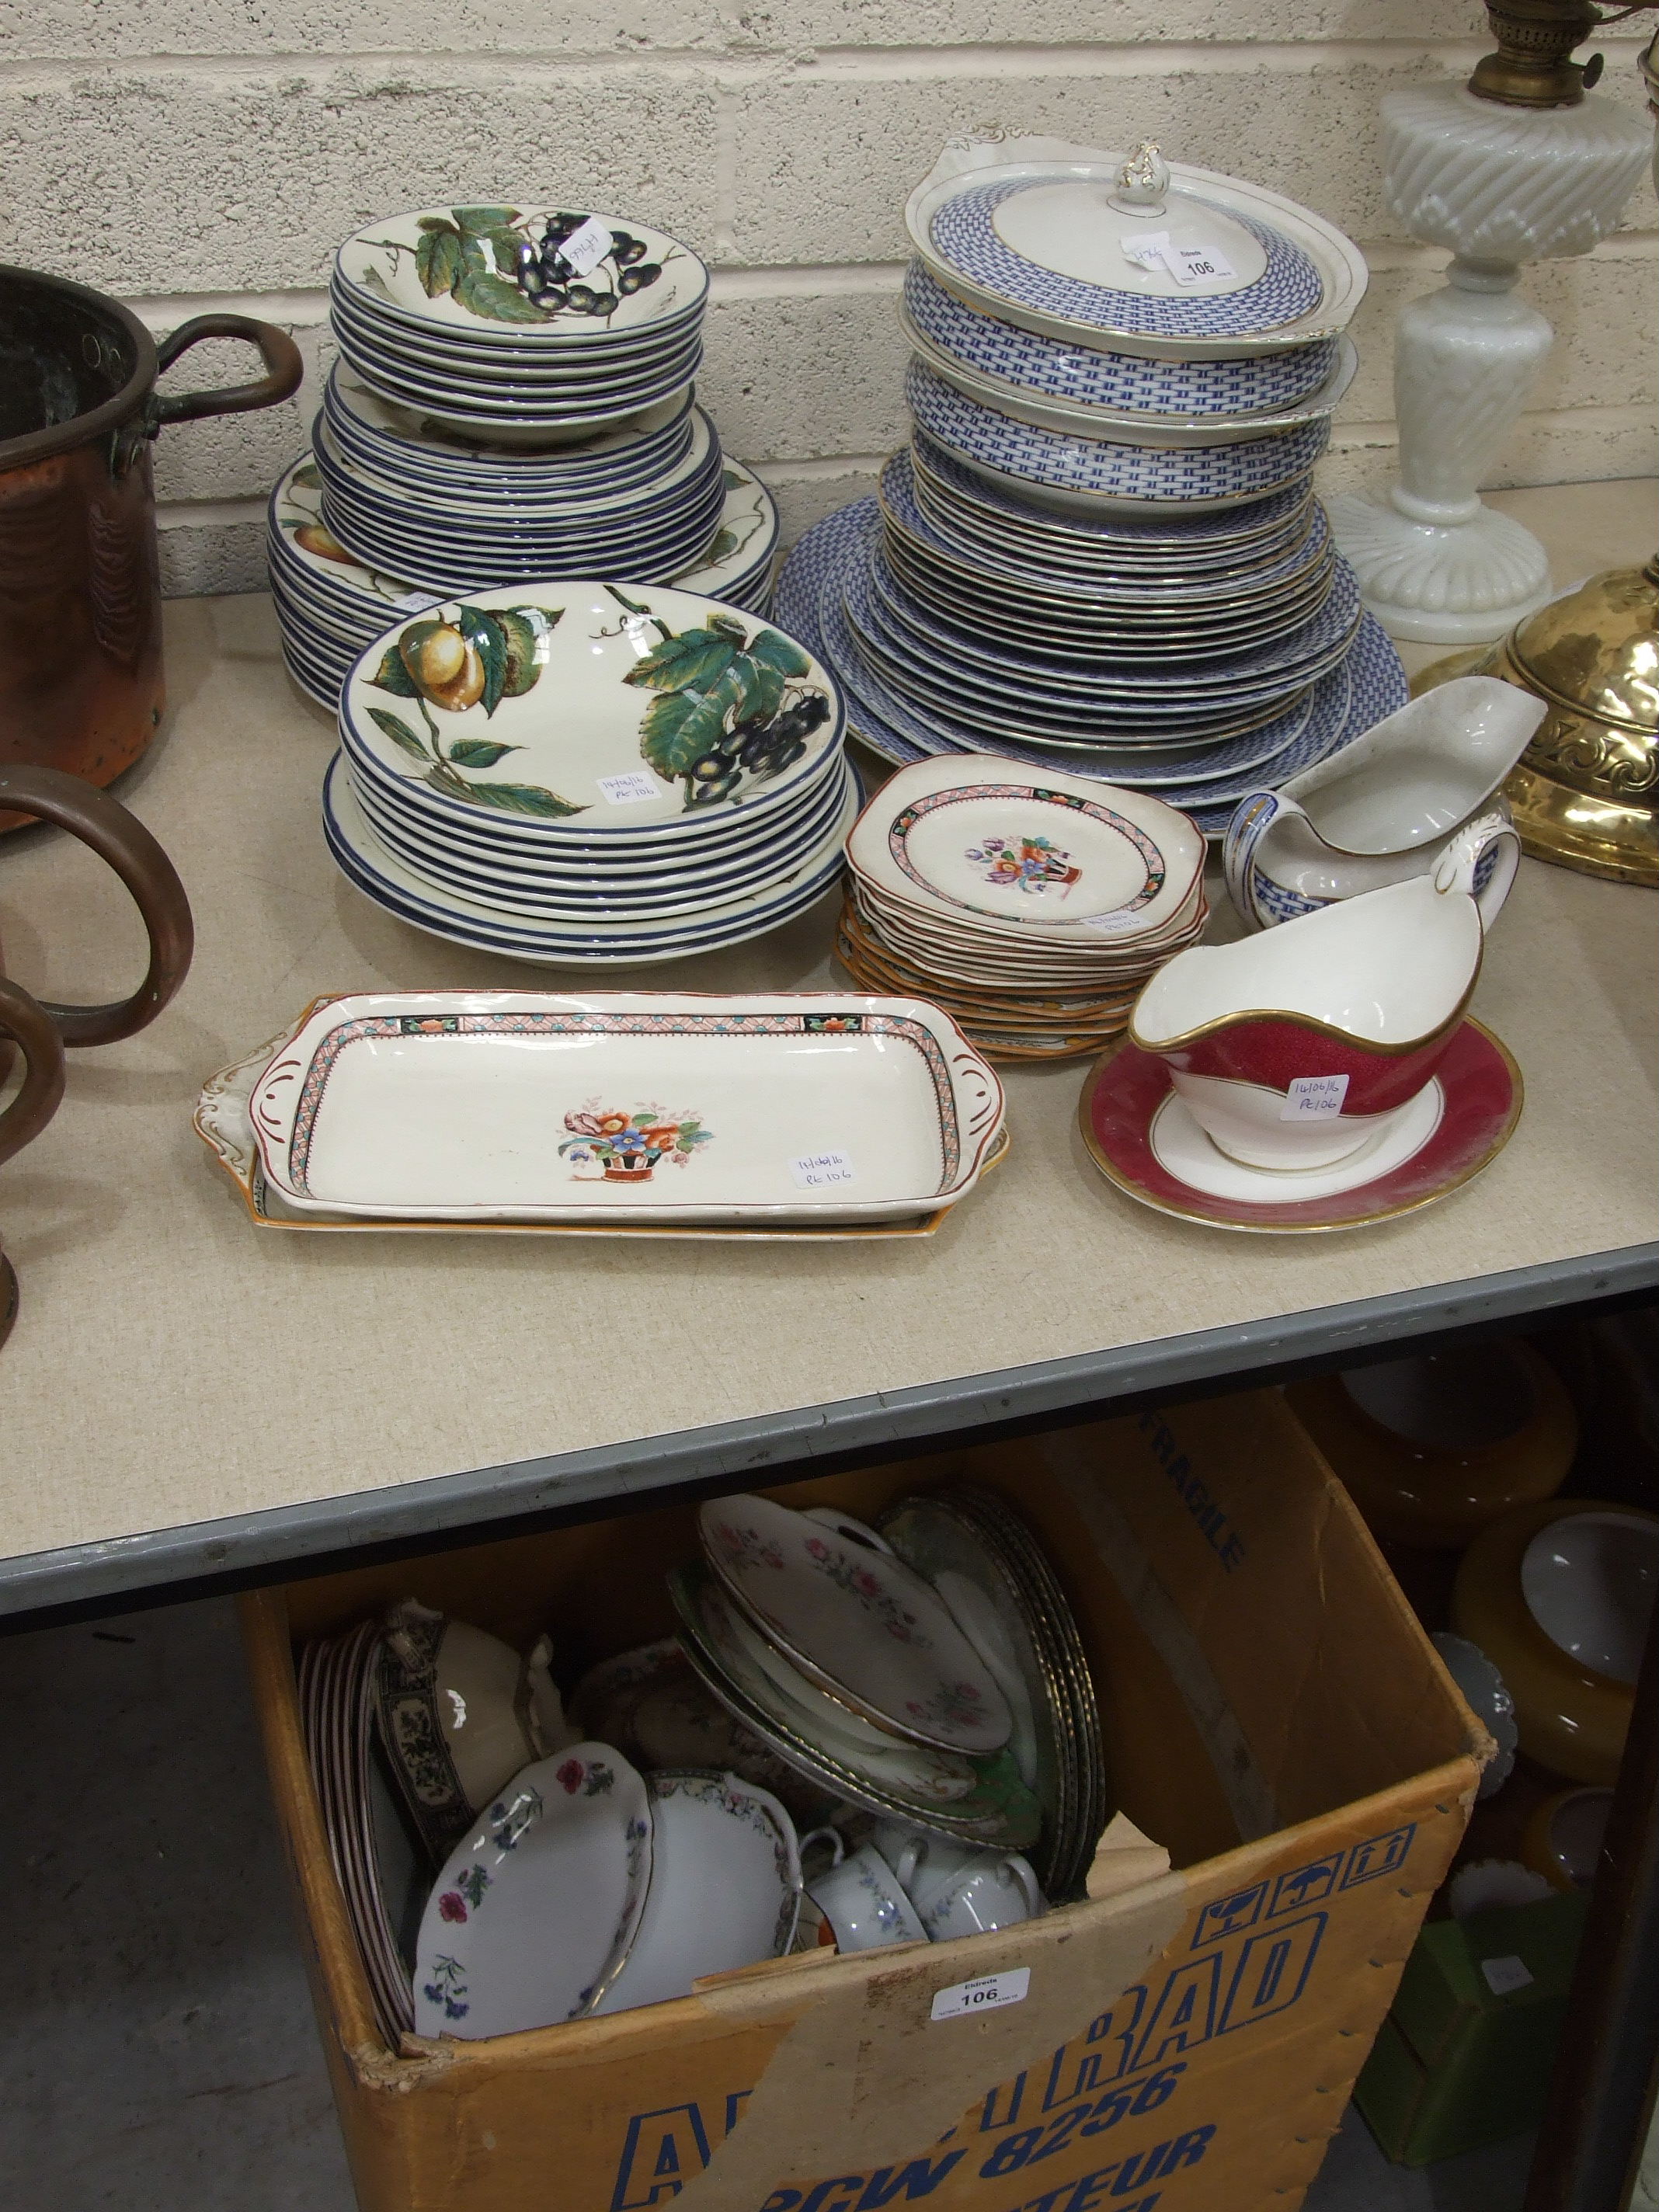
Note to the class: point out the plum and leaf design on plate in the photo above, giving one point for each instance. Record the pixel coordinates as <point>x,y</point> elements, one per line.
<point>1034,864</point>
<point>607,1145</point>
<point>474,657</point>
<point>733,704</point>
<point>507,267</point>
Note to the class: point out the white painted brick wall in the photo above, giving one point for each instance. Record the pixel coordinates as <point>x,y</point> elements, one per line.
<point>198,154</point>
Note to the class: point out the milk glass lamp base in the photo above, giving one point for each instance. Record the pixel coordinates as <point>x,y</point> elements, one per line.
<point>1458,585</point>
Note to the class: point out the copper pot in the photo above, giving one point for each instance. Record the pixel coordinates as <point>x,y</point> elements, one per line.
<point>81,682</point>
<point>31,1028</point>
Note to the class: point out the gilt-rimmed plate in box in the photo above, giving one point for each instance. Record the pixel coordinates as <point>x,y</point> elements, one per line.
<point>624,1107</point>
<point>978,1800</point>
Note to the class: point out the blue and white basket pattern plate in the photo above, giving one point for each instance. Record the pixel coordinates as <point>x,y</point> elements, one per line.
<point>1213,474</point>
<point>1368,683</point>
<point>964,236</point>
<point>1140,603</point>
<point>1254,384</point>
<point>1158,533</point>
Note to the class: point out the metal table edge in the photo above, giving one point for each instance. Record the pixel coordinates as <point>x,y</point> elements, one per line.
<point>764,1446</point>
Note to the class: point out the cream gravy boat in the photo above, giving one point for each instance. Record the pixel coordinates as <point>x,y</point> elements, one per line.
<point>1382,808</point>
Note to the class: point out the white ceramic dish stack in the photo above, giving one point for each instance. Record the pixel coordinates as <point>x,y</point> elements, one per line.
<point>1032,911</point>
<point>576,773</point>
<point>513,399</point>
<point>1102,553</point>
<point>330,607</point>
<point>519,324</point>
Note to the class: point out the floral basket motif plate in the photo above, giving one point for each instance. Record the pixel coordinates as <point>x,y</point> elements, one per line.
<point>524,1105</point>
<point>1066,856</point>
<point>532,1916</point>
<point>224,1122</point>
<point>863,1627</point>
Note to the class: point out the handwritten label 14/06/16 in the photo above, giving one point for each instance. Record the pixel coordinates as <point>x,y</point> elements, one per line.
<point>818,1170</point>
<point>1313,1099</point>
<point>985,1995</point>
<point>629,788</point>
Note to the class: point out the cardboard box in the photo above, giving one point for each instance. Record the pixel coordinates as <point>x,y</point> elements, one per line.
<point>1465,2054</point>
<point>1274,1716</point>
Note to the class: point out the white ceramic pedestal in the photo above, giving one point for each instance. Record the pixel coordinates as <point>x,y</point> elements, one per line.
<point>1500,186</point>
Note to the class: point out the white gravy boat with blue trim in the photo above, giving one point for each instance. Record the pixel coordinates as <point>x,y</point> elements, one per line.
<point>1386,806</point>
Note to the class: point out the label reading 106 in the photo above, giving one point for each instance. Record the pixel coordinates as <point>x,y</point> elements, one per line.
<point>984,1995</point>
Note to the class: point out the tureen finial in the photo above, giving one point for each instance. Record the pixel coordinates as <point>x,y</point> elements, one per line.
<point>1143,180</point>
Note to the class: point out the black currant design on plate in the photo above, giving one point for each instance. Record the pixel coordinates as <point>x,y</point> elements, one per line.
<point>510,268</point>
<point>730,705</point>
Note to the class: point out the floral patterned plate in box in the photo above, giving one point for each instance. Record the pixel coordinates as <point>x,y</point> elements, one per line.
<point>858,1623</point>
<point>626,1106</point>
<point>532,1919</point>
<point>977,1800</point>
<point>725,1888</point>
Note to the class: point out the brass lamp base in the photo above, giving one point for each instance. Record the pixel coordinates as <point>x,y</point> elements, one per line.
<point>1586,794</point>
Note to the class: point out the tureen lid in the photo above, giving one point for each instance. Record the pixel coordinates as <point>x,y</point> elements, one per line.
<point>1129,251</point>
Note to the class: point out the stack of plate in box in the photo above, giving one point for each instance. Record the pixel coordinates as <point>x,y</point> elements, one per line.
<point>584,773</point>
<point>1031,911</point>
<point>1101,552</point>
<point>514,400</point>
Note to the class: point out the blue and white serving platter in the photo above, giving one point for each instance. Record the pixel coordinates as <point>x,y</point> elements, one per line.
<point>1129,385</point>
<point>1093,475</point>
<point>1041,244</point>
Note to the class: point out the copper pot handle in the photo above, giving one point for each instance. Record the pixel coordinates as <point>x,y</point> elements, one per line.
<point>21,1017</point>
<point>121,839</point>
<point>283,370</point>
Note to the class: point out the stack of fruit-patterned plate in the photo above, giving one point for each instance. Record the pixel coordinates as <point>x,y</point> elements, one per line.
<point>519,323</point>
<point>514,400</point>
<point>1031,909</point>
<point>331,605</point>
<point>583,773</point>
